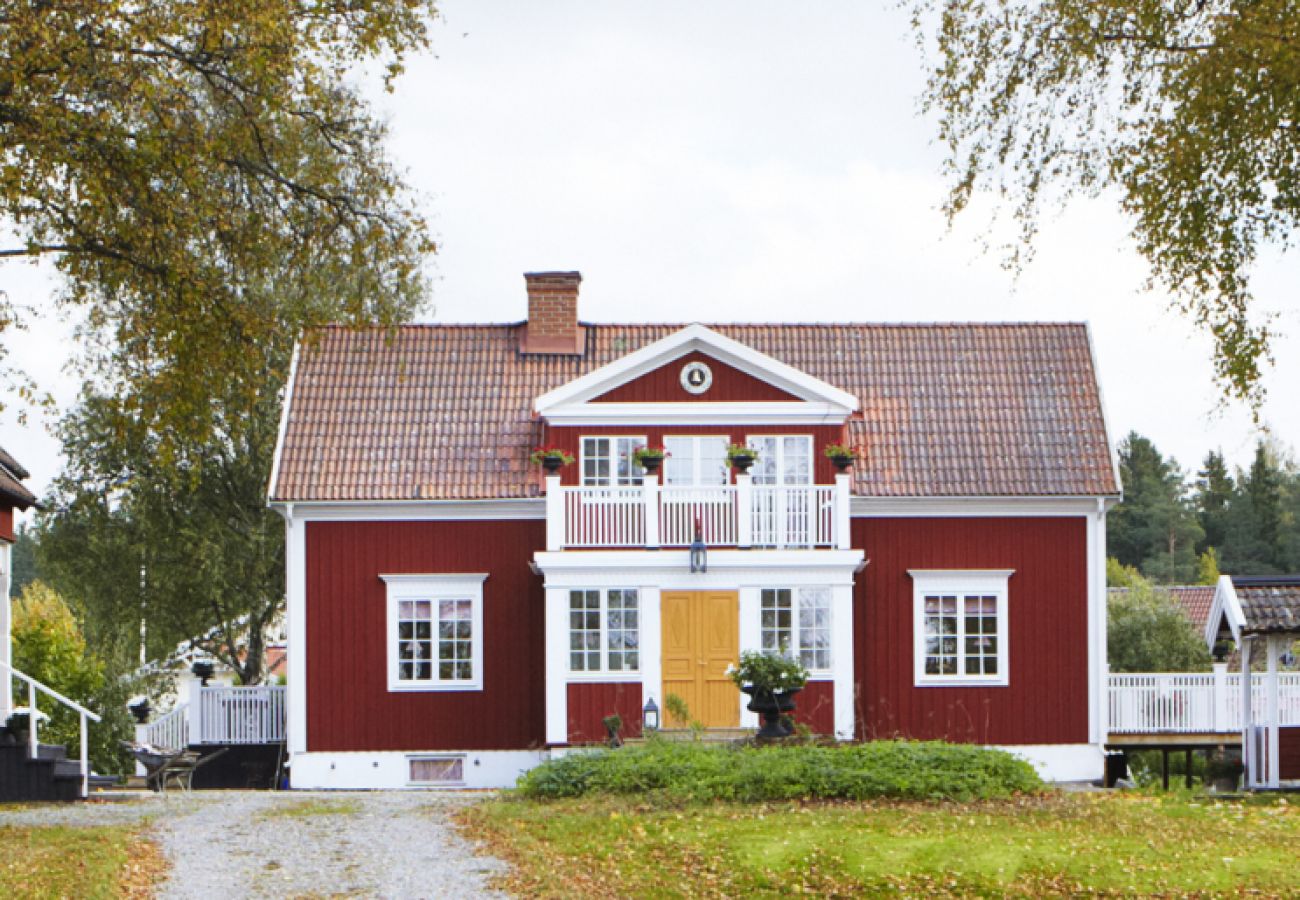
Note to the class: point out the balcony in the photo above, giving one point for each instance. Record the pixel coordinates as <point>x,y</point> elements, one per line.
<point>742,515</point>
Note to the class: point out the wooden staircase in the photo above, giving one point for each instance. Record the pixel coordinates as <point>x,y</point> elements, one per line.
<point>50,776</point>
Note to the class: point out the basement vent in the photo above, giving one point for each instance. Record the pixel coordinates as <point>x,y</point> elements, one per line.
<point>444,770</point>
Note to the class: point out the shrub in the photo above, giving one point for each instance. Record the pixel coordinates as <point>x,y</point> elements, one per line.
<point>768,672</point>
<point>693,772</point>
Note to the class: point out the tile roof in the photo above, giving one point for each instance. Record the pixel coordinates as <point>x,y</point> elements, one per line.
<point>12,490</point>
<point>1194,600</point>
<point>948,410</point>
<point>1270,604</point>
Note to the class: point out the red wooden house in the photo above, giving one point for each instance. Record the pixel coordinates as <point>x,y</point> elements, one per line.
<point>455,614</point>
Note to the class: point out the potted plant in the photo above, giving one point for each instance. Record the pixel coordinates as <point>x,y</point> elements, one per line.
<point>650,458</point>
<point>19,723</point>
<point>771,681</point>
<point>550,459</point>
<point>613,726</point>
<point>1223,770</point>
<point>840,455</point>
<point>741,457</point>
<point>140,708</point>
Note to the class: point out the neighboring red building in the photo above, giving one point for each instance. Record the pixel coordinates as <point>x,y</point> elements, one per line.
<point>455,614</point>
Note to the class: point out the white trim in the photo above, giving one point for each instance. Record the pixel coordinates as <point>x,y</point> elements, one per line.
<point>672,414</point>
<point>960,582</point>
<point>693,338</point>
<point>283,427</point>
<point>295,564</point>
<point>435,587</point>
<point>670,569</point>
<point>6,636</point>
<point>1098,667</point>
<point>390,770</point>
<point>1225,605</point>
<point>604,673</point>
<point>556,664</point>
<point>508,509</point>
<point>843,661</point>
<point>974,507</point>
<point>1062,762</point>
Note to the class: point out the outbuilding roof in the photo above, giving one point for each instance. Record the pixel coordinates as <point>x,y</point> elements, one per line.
<point>946,410</point>
<point>12,490</point>
<point>1194,600</point>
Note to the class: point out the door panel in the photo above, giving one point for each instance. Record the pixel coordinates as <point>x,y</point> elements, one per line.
<point>700,640</point>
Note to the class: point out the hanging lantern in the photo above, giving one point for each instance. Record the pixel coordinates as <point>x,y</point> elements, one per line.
<point>699,554</point>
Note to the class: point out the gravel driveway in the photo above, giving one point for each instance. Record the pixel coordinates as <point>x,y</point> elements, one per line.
<point>295,844</point>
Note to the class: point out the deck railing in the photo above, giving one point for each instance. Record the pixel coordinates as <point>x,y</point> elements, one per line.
<point>237,715</point>
<point>733,515</point>
<point>33,721</point>
<point>1164,702</point>
<point>171,730</point>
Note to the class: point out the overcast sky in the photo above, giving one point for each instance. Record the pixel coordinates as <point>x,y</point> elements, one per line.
<point>738,161</point>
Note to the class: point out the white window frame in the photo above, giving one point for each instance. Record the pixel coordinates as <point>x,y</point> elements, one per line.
<point>961,583</point>
<point>436,587</point>
<point>638,472</point>
<point>696,459</point>
<point>604,673</point>
<point>796,649</point>
<point>752,439</point>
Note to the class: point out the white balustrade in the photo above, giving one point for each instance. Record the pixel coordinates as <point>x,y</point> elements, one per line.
<point>731,515</point>
<point>171,730</point>
<point>1164,702</point>
<point>238,715</point>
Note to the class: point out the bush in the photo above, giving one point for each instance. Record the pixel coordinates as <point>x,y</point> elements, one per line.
<point>693,772</point>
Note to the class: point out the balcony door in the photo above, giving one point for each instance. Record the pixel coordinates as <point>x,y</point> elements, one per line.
<point>784,499</point>
<point>701,638</point>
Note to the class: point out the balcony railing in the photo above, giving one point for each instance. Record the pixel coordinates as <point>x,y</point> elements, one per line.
<point>1164,702</point>
<point>742,515</point>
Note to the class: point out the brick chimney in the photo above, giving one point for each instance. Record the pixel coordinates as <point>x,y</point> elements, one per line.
<point>552,325</point>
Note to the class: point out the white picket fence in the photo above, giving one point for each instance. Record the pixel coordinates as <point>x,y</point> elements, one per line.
<point>1166,702</point>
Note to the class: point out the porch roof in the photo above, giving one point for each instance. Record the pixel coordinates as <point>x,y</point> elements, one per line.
<point>946,410</point>
<point>1254,605</point>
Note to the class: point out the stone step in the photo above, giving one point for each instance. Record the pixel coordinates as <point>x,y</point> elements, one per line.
<point>708,735</point>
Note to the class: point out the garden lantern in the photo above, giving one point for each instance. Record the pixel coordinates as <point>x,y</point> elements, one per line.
<point>650,716</point>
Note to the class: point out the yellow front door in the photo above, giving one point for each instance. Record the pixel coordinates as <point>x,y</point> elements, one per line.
<point>701,637</point>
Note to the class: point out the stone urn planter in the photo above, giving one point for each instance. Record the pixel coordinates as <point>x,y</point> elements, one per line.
<point>741,457</point>
<point>774,707</point>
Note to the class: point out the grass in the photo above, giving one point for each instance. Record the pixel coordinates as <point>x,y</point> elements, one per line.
<point>309,808</point>
<point>78,862</point>
<point>1046,844</point>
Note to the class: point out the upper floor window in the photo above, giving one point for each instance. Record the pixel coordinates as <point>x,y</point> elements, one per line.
<point>607,461</point>
<point>960,622</point>
<point>696,461</point>
<point>435,632</point>
<point>796,622</point>
<point>783,458</point>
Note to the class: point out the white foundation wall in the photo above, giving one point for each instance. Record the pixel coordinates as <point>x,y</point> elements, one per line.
<point>1062,762</point>
<point>388,770</point>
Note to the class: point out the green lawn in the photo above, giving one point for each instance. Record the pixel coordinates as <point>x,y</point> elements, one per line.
<point>1051,844</point>
<point>77,862</point>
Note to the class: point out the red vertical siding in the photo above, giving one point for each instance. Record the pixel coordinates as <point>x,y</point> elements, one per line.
<point>1046,701</point>
<point>7,523</point>
<point>815,706</point>
<point>590,703</point>
<point>349,706</point>
<point>570,439</point>
<point>1288,743</point>
<point>664,385</point>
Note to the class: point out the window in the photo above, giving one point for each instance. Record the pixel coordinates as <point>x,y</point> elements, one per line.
<point>604,631</point>
<point>607,461</point>
<point>782,459</point>
<point>961,627</point>
<point>448,770</point>
<point>798,621</point>
<point>435,632</point>
<point>699,461</point>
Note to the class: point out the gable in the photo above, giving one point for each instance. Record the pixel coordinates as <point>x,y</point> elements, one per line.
<point>664,385</point>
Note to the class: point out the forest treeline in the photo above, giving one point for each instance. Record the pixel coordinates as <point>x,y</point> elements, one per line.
<point>1180,527</point>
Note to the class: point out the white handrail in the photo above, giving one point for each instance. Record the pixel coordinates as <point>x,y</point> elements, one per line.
<point>1170,702</point>
<point>171,730</point>
<point>33,742</point>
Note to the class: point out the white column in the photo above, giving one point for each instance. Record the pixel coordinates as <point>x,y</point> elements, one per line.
<point>1098,668</point>
<point>843,536</point>
<point>744,510</point>
<point>554,513</point>
<point>1247,716</point>
<point>650,493</point>
<point>557,665</point>
<point>194,713</point>
<point>1273,648</point>
<point>751,638</point>
<point>6,646</point>
<point>295,558</point>
<point>141,737</point>
<point>842,659</point>
<point>1220,699</point>
<point>652,679</point>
